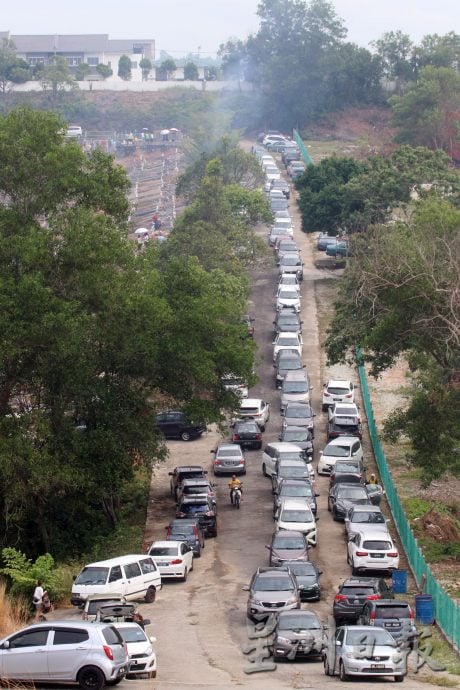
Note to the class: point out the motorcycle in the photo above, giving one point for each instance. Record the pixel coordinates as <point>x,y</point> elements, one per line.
<point>237,494</point>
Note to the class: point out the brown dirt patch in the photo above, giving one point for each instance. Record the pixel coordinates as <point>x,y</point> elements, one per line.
<point>440,527</point>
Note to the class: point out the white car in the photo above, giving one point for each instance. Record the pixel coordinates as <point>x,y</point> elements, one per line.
<point>276,194</point>
<point>285,223</point>
<point>256,409</point>
<point>341,448</point>
<point>295,514</point>
<point>289,280</point>
<point>288,298</point>
<point>337,410</point>
<point>337,390</point>
<point>362,518</point>
<point>174,559</point>
<point>277,232</point>
<point>372,551</point>
<point>277,450</point>
<point>235,384</point>
<point>271,138</point>
<point>267,159</point>
<point>287,341</point>
<point>142,657</point>
<point>272,173</point>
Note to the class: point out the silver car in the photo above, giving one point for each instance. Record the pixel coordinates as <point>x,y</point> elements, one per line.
<point>364,650</point>
<point>90,654</point>
<point>299,414</point>
<point>229,459</point>
<point>295,388</point>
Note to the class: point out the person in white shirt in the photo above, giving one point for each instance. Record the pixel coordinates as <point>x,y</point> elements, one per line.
<point>38,599</point>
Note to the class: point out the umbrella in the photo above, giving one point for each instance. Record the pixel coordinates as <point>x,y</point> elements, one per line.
<point>165,131</point>
<point>141,231</point>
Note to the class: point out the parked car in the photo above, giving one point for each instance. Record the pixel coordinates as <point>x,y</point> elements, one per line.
<point>287,320</point>
<point>292,469</point>
<point>343,496</point>
<point>95,602</point>
<point>188,530</point>
<point>141,654</point>
<point>247,434</point>
<point>286,360</point>
<point>279,231</point>
<point>286,247</point>
<point>201,507</point>
<point>341,448</point>
<point>343,409</point>
<point>364,651</point>
<point>291,264</point>
<point>276,451</point>
<point>362,518</point>
<point>278,205</point>
<point>323,240</point>
<point>194,487</point>
<point>283,186</point>
<point>348,471</point>
<point>295,488</point>
<point>120,613</point>
<point>394,615</point>
<point>339,249</point>
<point>174,559</point>
<point>174,424</point>
<point>344,426</point>
<point>307,576</point>
<point>294,514</point>
<point>353,593</point>
<point>256,409</point>
<point>288,298</point>
<point>236,385</point>
<point>272,172</point>
<point>90,654</point>
<point>289,280</point>
<point>271,589</point>
<point>295,388</point>
<point>228,459</point>
<point>300,436</point>
<point>337,390</point>
<point>184,472</point>
<point>372,551</point>
<point>287,341</point>
<point>287,546</point>
<point>299,634</point>
<point>299,414</point>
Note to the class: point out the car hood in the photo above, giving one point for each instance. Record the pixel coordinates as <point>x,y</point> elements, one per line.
<point>303,634</point>
<point>279,595</point>
<point>290,554</point>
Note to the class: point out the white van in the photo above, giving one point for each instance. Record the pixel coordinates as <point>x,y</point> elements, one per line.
<point>133,576</point>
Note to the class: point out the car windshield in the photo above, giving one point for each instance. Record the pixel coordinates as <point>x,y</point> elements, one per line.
<point>192,508</point>
<point>376,637</point>
<point>344,410</point>
<point>228,452</point>
<point>185,530</point>
<point>189,475</point>
<point>272,584</point>
<point>296,516</point>
<point>302,491</point>
<point>290,455</point>
<point>132,634</point>
<point>295,387</point>
<point>197,489</point>
<point>374,545</point>
<point>337,451</point>
<point>302,568</point>
<point>247,426</point>
<point>92,575</point>
<point>290,543</point>
<point>350,492</point>
<point>163,551</point>
<point>290,261</point>
<point>290,364</point>
<point>304,622</point>
<point>289,294</point>
<point>298,411</point>
<point>393,611</point>
<point>348,428</point>
<point>373,518</point>
<point>346,467</point>
<point>296,436</point>
<point>250,410</point>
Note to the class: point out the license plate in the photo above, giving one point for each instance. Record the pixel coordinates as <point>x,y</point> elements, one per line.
<point>337,399</point>
<point>377,665</point>
<point>376,555</point>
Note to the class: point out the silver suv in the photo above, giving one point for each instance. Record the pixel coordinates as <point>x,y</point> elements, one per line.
<point>90,654</point>
<point>271,590</point>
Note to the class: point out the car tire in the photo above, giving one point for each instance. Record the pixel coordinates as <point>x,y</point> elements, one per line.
<point>152,674</point>
<point>264,470</point>
<point>327,668</point>
<point>91,678</point>
<point>185,436</point>
<point>184,576</point>
<point>399,679</point>
<point>150,595</point>
<point>342,675</point>
<point>324,408</point>
<point>262,428</point>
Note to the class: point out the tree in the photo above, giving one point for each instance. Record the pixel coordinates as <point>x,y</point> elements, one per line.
<point>168,67</point>
<point>427,114</point>
<point>56,77</point>
<point>13,70</point>
<point>82,70</point>
<point>190,71</point>
<point>104,70</point>
<point>146,66</point>
<point>439,51</point>
<point>124,68</point>
<point>234,56</point>
<point>395,50</point>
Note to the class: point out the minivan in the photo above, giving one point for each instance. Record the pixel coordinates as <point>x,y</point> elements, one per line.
<point>133,576</point>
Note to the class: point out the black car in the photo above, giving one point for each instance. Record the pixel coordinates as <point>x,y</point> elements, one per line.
<point>174,424</point>
<point>287,321</point>
<point>354,593</point>
<point>184,472</point>
<point>298,634</point>
<point>307,576</point>
<point>299,435</point>
<point>344,426</point>
<point>188,530</point>
<point>349,472</point>
<point>295,488</point>
<point>395,616</point>
<point>201,507</point>
<point>343,496</point>
<point>247,434</point>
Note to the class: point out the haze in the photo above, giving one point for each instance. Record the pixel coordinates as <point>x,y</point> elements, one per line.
<point>183,26</point>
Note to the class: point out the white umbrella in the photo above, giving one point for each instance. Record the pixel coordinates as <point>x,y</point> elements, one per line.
<point>141,231</point>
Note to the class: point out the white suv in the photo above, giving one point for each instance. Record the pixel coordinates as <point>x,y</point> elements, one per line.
<point>256,409</point>
<point>337,390</point>
<point>295,514</point>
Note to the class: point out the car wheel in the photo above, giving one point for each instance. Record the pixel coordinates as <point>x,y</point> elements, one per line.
<point>197,554</point>
<point>152,674</point>
<point>185,436</point>
<point>184,576</point>
<point>335,516</point>
<point>264,470</point>
<point>324,408</point>
<point>342,675</point>
<point>399,679</point>
<point>91,678</point>
<point>262,428</point>
<point>150,595</point>
<point>327,668</point>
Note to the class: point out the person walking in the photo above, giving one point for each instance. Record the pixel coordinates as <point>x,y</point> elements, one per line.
<point>38,599</point>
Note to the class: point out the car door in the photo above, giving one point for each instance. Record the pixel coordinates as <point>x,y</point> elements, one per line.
<point>134,587</point>
<point>336,650</point>
<point>187,555</point>
<point>27,655</point>
<point>69,650</point>
<point>174,423</point>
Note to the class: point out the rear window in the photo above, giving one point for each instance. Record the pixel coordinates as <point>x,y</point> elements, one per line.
<point>356,591</point>
<point>249,410</point>
<point>186,529</point>
<point>163,551</point>
<point>228,453</point>
<point>192,508</point>
<point>393,611</point>
<point>374,545</point>
<point>111,635</point>
<point>338,391</point>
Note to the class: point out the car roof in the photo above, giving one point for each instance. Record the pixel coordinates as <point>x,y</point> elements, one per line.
<point>188,468</point>
<point>360,581</point>
<point>250,402</point>
<point>366,509</point>
<point>105,597</point>
<point>295,375</point>
<point>196,481</point>
<point>374,534</point>
<point>292,502</point>
<point>343,440</point>
<point>166,543</point>
<point>284,445</point>
<point>130,624</point>
<point>118,560</point>
<point>289,533</point>
<point>291,481</point>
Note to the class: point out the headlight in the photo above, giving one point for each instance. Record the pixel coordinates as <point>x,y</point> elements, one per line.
<point>292,600</point>
<point>256,602</point>
<point>286,640</point>
<point>148,651</point>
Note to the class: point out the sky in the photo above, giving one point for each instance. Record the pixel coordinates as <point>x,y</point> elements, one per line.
<point>190,26</point>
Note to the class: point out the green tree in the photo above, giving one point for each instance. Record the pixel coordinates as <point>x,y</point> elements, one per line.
<point>396,50</point>
<point>168,67</point>
<point>190,71</point>
<point>82,70</point>
<point>104,70</point>
<point>13,70</point>
<point>124,68</point>
<point>56,77</point>
<point>234,56</point>
<point>146,66</point>
<point>439,51</point>
<point>427,114</point>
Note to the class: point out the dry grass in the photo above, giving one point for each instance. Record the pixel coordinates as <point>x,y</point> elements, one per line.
<point>13,614</point>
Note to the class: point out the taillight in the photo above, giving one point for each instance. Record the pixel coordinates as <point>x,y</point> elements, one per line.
<point>236,437</point>
<point>176,561</point>
<point>411,615</point>
<point>340,597</point>
<point>180,515</point>
<point>392,554</point>
<point>108,652</point>
<point>362,553</point>
<point>373,597</point>
<point>258,437</point>
<point>349,395</point>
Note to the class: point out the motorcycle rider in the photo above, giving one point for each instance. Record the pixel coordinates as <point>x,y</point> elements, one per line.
<point>233,484</point>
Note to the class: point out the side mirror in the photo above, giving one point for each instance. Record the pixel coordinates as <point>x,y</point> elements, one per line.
<point>320,572</point>
<point>6,644</point>
<point>267,547</point>
<point>170,474</point>
<point>152,639</point>
<point>317,518</point>
<point>245,588</point>
<point>317,495</point>
<point>274,342</point>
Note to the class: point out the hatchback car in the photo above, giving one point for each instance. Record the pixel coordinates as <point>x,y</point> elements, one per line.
<point>287,341</point>
<point>256,409</point>
<point>288,298</point>
<point>291,264</point>
<point>142,657</point>
<point>188,530</point>
<point>228,459</point>
<point>341,448</point>
<point>287,546</point>
<point>174,559</point>
<point>299,634</point>
<point>294,514</point>
<point>247,434</point>
<point>299,414</point>
<point>394,615</point>
<point>300,436</point>
<point>364,651</point>
<point>295,388</point>
<point>271,590</point>
<point>88,653</point>
<point>337,390</point>
<point>295,488</point>
<point>175,424</point>
<point>368,551</point>
<point>353,594</point>
<point>202,508</point>
<point>343,496</point>
<point>307,576</point>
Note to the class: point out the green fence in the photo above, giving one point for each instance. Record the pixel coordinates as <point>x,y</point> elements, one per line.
<point>303,149</point>
<point>447,612</point>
